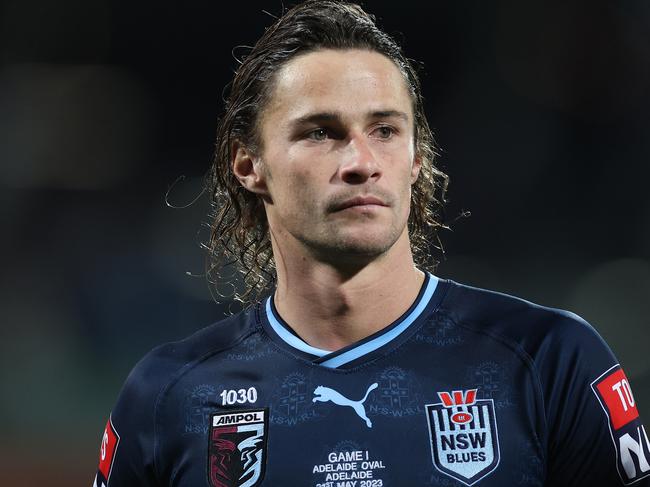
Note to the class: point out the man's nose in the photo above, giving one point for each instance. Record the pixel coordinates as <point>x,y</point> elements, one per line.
<point>359,163</point>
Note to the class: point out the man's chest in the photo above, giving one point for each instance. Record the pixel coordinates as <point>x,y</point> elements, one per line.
<point>388,425</point>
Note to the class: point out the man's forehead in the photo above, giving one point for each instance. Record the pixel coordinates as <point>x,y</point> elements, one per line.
<point>329,81</point>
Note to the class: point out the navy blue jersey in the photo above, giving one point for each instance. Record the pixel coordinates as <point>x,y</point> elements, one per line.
<point>468,387</point>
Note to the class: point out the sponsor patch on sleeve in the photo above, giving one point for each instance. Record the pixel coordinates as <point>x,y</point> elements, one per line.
<point>628,434</point>
<point>107,451</point>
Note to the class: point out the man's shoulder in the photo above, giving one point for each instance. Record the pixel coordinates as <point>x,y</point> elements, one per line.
<point>217,337</point>
<point>522,322</point>
<point>161,365</point>
<point>475,304</point>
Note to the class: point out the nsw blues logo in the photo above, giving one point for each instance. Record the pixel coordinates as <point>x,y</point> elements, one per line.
<point>464,439</point>
<point>237,448</point>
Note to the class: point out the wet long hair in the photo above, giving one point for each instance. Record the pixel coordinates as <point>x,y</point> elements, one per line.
<point>239,234</point>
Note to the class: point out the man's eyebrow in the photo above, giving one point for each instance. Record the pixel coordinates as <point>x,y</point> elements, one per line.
<point>316,117</point>
<point>336,116</point>
<point>389,114</point>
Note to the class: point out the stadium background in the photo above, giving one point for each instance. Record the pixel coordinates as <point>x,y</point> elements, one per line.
<point>541,109</point>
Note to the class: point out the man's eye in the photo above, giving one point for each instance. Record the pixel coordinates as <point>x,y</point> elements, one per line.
<point>318,134</point>
<point>383,132</point>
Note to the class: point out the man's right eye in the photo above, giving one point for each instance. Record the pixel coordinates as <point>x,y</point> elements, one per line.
<point>318,134</point>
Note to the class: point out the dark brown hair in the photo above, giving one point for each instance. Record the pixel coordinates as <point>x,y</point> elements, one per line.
<point>239,234</point>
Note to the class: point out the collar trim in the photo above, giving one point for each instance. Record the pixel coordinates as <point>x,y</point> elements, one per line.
<point>364,347</point>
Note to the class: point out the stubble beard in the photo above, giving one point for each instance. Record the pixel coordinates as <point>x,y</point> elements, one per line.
<point>336,245</point>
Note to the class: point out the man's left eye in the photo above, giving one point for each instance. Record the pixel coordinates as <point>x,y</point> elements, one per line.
<point>383,132</point>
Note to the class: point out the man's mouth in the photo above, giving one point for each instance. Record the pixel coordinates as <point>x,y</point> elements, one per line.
<point>361,202</point>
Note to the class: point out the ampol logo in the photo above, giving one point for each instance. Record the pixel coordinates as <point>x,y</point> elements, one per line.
<point>463,433</point>
<point>237,448</point>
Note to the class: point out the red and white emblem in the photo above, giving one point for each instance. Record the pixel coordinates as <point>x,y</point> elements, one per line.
<point>107,451</point>
<point>628,434</point>
<point>237,448</point>
<point>463,432</point>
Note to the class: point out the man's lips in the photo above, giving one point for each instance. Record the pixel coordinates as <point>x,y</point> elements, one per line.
<point>359,201</point>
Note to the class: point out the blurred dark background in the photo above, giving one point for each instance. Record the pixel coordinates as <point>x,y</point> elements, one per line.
<point>106,107</point>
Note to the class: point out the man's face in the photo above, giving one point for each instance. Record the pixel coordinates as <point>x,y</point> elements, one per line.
<point>337,154</point>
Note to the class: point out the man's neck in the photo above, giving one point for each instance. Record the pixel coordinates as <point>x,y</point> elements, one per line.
<point>330,308</point>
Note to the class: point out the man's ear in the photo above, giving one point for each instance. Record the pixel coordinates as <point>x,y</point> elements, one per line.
<point>247,168</point>
<point>415,168</point>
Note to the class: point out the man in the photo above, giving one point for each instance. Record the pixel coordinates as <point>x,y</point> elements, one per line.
<point>361,368</point>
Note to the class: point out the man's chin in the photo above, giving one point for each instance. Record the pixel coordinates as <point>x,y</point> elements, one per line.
<point>358,248</point>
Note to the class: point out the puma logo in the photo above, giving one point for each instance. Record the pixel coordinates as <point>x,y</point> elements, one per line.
<point>324,394</point>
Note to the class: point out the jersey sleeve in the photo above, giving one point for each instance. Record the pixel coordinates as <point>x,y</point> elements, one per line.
<point>595,434</point>
<point>126,456</point>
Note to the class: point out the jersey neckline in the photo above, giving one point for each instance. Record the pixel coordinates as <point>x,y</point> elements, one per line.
<point>391,336</point>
